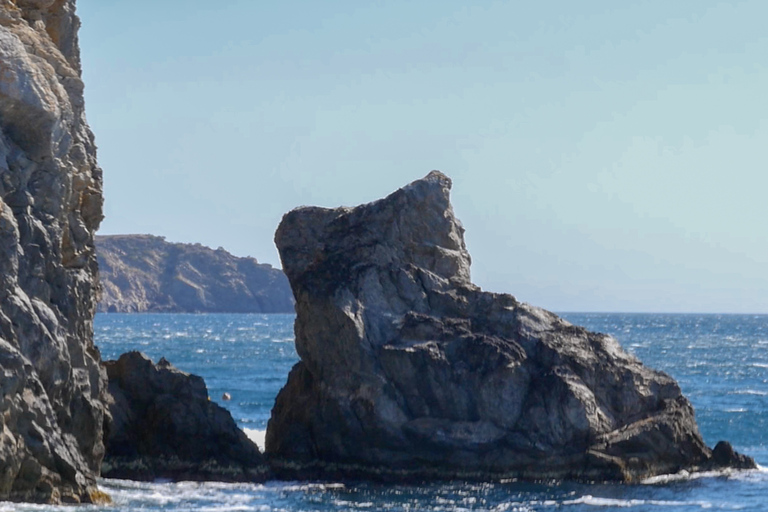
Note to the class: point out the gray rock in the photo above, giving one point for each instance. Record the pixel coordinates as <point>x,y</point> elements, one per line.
<point>51,412</point>
<point>144,273</point>
<point>164,426</point>
<point>408,370</point>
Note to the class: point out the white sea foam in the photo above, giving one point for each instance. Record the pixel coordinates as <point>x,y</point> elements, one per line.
<point>754,392</point>
<point>528,506</point>
<point>513,507</point>
<point>597,501</point>
<point>759,475</point>
<point>19,507</point>
<point>303,487</point>
<point>181,496</point>
<point>687,476</point>
<point>257,436</point>
<point>353,504</point>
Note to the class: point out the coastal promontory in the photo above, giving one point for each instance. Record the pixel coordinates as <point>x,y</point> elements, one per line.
<point>409,371</point>
<point>146,273</point>
<point>52,401</point>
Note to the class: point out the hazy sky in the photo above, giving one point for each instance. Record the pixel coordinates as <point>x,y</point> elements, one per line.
<point>606,156</point>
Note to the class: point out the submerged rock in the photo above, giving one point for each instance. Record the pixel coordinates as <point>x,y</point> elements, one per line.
<point>408,370</point>
<point>164,426</point>
<point>51,409</point>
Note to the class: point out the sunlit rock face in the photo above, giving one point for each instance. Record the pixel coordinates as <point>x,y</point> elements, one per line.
<point>409,371</point>
<point>51,413</point>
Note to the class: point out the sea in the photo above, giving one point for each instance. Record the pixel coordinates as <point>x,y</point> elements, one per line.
<point>720,361</point>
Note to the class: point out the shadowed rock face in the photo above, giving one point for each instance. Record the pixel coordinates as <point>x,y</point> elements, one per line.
<point>51,410</point>
<point>408,370</point>
<point>144,273</point>
<point>164,426</point>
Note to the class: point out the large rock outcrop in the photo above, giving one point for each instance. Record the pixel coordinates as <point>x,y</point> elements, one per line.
<point>164,426</point>
<point>51,410</point>
<point>408,370</point>
<point>144,273</point>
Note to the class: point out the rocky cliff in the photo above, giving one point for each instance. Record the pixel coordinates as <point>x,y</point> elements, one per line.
<point>51,412</point>
<point>408,370</point>
<point>144,273</point>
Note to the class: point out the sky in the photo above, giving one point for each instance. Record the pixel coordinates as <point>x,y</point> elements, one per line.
<point>605,156</point>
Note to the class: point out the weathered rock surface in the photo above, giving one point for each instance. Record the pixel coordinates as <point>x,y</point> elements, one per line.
<point>144,273</point>
<point>51,409</point>
<point>408,370</point>
<point>164,426</point>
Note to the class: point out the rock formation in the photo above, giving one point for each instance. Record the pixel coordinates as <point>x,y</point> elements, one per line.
<point>51,411</point>
<point>408,370</point>
<point>164,426</point>
<point>144,273</point>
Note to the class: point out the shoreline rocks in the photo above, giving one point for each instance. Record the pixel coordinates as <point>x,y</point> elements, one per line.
<point>51,409</point>
<point>165,426</point>
<point>409,371</point>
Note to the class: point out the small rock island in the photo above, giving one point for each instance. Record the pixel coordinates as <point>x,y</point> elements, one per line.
<point>409,371</point>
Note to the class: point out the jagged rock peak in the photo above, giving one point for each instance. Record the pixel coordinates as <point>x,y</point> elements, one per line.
<point>50,205</point>
<point>417,221</point>
<point>410,371</point>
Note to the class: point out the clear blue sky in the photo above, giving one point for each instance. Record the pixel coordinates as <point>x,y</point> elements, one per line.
<point>606,155</point>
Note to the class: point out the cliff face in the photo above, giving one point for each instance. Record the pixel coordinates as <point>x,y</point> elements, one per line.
<point>409,371</point>
<point>144,273</point>
<point>51,411</point>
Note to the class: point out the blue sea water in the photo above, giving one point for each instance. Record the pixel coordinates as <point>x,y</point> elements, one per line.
<point>720,361</point>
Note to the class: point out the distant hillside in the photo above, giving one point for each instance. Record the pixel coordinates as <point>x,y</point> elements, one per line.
<point>144,273</point>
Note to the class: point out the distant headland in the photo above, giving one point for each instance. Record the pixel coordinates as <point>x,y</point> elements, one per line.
<point>146,273</point>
